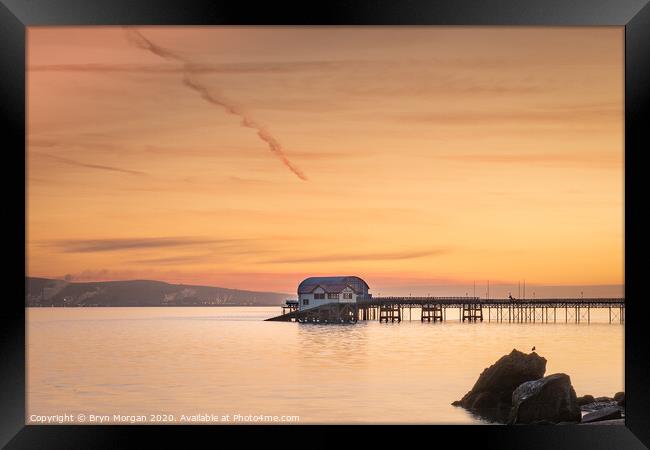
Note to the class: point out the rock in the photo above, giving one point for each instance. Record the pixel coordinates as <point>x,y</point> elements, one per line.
<point>595,406</point>
<point>549,399</point>
<point>620,398</point>
<point>485,400</point>
<point>602,414</point>
<point>585,399</point>
<point>604,399</point>
<point>606,422</point>
<point>495,385</point>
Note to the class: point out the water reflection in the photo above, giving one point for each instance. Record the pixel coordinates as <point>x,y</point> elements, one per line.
<point>228,360</point>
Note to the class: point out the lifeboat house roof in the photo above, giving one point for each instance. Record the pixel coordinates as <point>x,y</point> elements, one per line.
<point>333,284</point>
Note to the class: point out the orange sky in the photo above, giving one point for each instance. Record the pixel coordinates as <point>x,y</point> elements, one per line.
<point>433,156</point>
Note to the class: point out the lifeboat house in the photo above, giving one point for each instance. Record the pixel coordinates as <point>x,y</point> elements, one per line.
<point>317,291</point>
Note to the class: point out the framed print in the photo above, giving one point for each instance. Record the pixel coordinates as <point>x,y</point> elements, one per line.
<point>406,217</point>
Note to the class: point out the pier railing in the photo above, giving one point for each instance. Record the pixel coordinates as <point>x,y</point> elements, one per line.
<point>460,300</point>
<point>470,309</point>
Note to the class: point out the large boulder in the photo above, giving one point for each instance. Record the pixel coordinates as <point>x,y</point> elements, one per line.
<point>495,385</point>
<point>549,399</point>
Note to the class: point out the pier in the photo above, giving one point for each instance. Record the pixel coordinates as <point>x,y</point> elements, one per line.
<point>461,309</point>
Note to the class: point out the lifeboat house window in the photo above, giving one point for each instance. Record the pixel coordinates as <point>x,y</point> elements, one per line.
<point>347,296</point>
<point>335,296</point>
<point>319,296</point>
<point>305,301</point>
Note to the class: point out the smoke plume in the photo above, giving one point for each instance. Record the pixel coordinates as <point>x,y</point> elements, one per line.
<point>136,38</point>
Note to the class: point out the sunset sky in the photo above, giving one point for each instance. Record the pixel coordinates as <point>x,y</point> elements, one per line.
<point>419,158</point>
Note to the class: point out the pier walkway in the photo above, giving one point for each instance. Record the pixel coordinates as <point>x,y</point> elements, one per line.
<point>470,309</point>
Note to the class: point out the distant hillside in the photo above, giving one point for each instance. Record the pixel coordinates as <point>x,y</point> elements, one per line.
<point>48,292</point>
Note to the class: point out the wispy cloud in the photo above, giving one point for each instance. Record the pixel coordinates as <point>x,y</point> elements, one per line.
<point>538,158</point>
<point>269,66</point>
<point>72,162</point>
<point>84,143</point>
<point>362,256</point>
<point>233,68</point>
<point>574,113</point>
<point>174,260</point>
<point>108,245</point>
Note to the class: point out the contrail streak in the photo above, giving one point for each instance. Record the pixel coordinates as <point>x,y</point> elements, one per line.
<point>137,39</point>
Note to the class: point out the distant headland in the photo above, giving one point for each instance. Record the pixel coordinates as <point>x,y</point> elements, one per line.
<point>45,292</point>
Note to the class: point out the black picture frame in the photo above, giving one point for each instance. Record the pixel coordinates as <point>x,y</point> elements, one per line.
<point>16,15</point>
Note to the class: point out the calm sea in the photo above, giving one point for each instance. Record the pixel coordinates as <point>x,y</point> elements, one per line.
<point>227,363</point>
